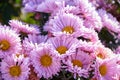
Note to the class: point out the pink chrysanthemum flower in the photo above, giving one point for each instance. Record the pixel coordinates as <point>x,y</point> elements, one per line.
<point>32,41</point>
<point>45,61</point>
<point>64,45</point>
<point>109,21</point>
<point>23,28</point>
<point>9,42</point>
<point>65,24</point>
<point>89,14</point>
<point>103,52</point>
<point>107,69</point>
<point>78,63</point>
<point>13,68</point>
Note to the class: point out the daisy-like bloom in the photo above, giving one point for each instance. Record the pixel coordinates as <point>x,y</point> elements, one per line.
<point>9,42</point>
<point>45,61</point>
<point>64,45</point>
<point>47,6</point>
<point>88,12</point>
<point>78,63</point>
<point>109,21</point>
<point>22,28</point>
<point>13,68</point>
<point>50,6</point>
<point>107,69</point>
<point>103,52</point>
<point>65,24</point>
<point>32,41</point>
<point>31,5</point>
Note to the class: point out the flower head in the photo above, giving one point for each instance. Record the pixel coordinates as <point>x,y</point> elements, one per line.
<point>23,28</point>
<point>45,61</point>
<point>65,24</point>
<point>50,6</point>
<point>103,52</point>
<point>32,41</point>
<point>31,5</point>
<point>88,12</point>
<point>47,6</point>
<point>107,69</point>
<point>14,69</point>
<point>64,45</point>
<point>78,63</point>
<point>109,21</point>
<point>9,42</point>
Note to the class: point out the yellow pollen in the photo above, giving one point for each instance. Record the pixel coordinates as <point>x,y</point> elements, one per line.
<point>77,63</point>
<point>4,45</point>
<point>62,49</point>
<point>15,71</point>
<point>46,60</point>
<point>100,56</point>
<point>103,70</point>
<point>68,29</point>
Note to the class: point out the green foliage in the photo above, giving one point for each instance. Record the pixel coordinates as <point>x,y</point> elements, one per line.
<point>8,9</point>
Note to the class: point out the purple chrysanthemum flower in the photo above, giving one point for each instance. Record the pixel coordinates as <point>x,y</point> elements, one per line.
<point>9,42</point>
<point>109,21</point>
<point>45,61</point>
<point>64,45</point>
<point>23,28</point>
<point>50,6</point>
<point>32,41</point>
<point>15,68</point>
<point>64,24</point>
<point>31,5</point>
<point>47,6</point>
<point>78,63</point>
<point>88,12</point>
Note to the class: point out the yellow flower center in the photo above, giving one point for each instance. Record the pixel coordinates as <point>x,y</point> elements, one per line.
<point>68,29</point>
<point>15,71</point>
<point>62,49</point>
<point>4,45</point>
<point>100,56</point>
<point>77,62</point>
<point>46,60</point>
<point>103,70</point>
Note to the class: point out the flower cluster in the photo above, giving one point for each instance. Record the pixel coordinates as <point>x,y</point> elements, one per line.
<point>71,49</point>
